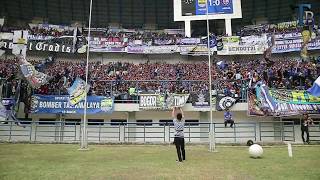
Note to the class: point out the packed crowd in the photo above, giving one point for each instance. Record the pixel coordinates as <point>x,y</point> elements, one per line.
<point>232,78</point>
<point>49,32</point>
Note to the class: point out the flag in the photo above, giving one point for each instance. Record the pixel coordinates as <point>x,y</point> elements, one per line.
<point>224,102</point>
<point>20,41</point>
<point>78,91</point>
<point>315,89</point>
<point>35,78</point>
<point>3,111</point>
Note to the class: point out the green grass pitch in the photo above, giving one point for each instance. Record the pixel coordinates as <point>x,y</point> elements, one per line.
<point>64,161</point>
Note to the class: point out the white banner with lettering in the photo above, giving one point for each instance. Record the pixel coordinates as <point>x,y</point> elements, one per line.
<point>162,101</point>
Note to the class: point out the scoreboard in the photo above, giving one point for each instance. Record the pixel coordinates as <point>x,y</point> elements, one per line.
<point>198,7</point>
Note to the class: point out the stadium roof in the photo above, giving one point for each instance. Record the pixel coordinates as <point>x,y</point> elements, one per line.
<point>136,13</point>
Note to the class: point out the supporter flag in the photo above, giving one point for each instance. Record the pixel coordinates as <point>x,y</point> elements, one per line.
<point>213,41</point>
<point>224,102</point>
<point>20,41</point>
<point>2,51</point>
<point>35,78</point>
<point>315,89</point>
<point>78,91</point>
<point>3,111</point>
<point>306,36</point>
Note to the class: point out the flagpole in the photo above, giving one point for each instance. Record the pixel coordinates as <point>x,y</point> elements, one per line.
<point>84,134</point>
<point>212,142</point>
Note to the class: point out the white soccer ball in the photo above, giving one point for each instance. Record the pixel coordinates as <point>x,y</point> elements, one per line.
<point>255,151</point>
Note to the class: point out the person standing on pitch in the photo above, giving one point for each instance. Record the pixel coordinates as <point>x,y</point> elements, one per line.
<point>307,121</point>
<point>178,121</point>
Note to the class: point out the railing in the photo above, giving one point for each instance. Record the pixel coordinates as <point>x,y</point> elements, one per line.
<point>314,131</point>
<point>101,132</point>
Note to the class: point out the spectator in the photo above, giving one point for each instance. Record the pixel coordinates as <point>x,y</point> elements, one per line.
<point>228,118</point>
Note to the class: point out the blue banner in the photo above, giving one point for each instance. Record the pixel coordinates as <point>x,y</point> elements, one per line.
<point>215,7</point>
<point>43,104</point>
<point>293,42</point>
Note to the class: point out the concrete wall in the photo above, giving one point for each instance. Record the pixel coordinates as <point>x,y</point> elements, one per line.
<point>67,128</point>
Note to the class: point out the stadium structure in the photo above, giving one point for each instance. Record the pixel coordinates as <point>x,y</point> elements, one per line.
<point>134,61</point>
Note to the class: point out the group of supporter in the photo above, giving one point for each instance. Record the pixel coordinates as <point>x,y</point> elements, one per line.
<point>49,32</point>
<point>233,78</point>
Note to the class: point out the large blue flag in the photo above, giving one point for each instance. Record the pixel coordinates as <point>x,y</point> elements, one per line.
<point>315,89</point>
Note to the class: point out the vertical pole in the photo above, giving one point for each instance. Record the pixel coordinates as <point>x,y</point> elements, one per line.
<point>228,27</point>
<point>84,137</point>
<point>187,28</point>
<point>212,142</point>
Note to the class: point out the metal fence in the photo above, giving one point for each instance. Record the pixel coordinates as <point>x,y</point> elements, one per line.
<point>104,132</point>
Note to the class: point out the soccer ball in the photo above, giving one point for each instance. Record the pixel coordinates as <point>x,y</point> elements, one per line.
<point>255,151</point>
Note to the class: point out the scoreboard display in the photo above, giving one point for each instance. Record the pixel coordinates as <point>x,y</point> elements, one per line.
<point>198,7</point>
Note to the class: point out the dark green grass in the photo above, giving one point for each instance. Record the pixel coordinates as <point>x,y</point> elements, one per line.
<point>61,161</point>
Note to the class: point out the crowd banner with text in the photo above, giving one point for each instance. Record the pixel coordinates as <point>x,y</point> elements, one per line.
<point>114,44</point>
<point>50,104</point>
<point>291,42</point>
<point>265,102</point>
<point>162,101</point>
<point>196,50</point>
<point>236,45</point>
<point>167,49</point>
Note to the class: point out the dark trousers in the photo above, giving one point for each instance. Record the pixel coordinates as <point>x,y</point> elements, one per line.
<point>302,134</point>
<point>228,121</point>
<point>179,142</point>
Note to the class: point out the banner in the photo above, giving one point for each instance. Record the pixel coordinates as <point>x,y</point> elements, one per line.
<point>265,102</point>
<point>241,50</point>
<point>196,50</point>
<point>43,46</point>
<point>135,49</point>
<point>293,96</point>
<point>188,41</point>
<point>162,101</point>
<point>168,49</point>
<point>224,102</point>
<point>108,49</point>
<point>200,100</point>
<point>61,105</point>
<point>161,42</point>
<point>235,45</point>
<point>78,91</point>
<point>294,42</point>
<point>111,44</point>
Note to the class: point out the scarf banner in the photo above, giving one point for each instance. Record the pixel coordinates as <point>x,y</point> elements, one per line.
<point>43,104</point>
<point>162,101</point>
<point>35,78</point>
<point>78,91</point>
<point>265,102</point>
